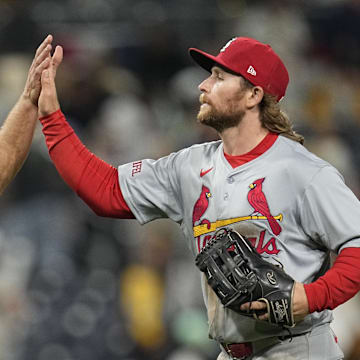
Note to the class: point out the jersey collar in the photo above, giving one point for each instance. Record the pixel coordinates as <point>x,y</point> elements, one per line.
<point>264,145</point>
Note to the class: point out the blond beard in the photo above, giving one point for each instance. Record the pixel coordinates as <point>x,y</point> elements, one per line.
<point>217,120</point>
<point>220,120</point>
<point>204,113</point>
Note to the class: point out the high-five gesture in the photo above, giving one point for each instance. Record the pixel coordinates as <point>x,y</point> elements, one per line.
<point>17,130</point>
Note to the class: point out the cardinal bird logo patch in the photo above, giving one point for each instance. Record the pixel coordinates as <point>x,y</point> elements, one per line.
<point>257,200</point>
<point>201,205</point>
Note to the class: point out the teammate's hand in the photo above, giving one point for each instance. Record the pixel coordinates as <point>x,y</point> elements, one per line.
<point>300,305</point>
<point>48,100</point>
<point>40,62</point>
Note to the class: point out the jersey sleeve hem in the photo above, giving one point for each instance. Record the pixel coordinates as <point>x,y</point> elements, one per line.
<point>127,197</point>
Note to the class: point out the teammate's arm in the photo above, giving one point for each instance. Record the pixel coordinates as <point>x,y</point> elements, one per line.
<point>95,181</point>
<point>17,131</point>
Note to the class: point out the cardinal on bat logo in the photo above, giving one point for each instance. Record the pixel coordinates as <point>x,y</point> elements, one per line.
<point>257,200</point>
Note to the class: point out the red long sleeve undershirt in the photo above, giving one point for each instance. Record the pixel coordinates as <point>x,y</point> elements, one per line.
<point>97,183</point>
<point>338,285</point>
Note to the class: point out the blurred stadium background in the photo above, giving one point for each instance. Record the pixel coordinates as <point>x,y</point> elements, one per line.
<point>74,286</point>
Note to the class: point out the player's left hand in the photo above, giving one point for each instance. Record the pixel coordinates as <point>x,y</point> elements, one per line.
<point>300,305</point>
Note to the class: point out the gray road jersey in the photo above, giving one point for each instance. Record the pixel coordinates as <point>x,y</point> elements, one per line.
<point>293,206</point>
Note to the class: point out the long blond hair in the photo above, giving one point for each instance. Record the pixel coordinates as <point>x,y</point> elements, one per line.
<point>276,120</point>
<point>273,118</point>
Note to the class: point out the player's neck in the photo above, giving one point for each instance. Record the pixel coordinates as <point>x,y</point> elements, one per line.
<point>244,137</point>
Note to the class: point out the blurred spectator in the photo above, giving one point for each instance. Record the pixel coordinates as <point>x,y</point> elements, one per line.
<point>142,293</point>
<point>339,44</point>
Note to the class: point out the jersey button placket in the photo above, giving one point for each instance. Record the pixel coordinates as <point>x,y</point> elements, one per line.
<point>230,179</point>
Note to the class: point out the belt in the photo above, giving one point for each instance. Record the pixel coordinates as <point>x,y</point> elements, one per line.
<point>238,351</point>
<point>241,351</point>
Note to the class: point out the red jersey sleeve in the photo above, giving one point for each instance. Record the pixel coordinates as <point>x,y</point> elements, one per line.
<point>95,181</point>
<point>339,284</point>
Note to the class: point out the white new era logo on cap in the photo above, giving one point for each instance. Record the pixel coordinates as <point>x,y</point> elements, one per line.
<point>251,71</point>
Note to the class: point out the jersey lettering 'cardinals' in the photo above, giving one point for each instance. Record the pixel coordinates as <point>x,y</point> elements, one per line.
<point>258,201</point>
<point>201,205</point>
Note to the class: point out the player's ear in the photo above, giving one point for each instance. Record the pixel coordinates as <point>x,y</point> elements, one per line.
<point>254,96</point>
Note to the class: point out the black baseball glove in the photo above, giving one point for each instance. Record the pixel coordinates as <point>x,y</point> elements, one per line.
<point>238,274</point>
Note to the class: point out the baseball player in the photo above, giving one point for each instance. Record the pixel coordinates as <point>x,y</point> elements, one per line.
<point>293,207</point>
<point>17,131</point>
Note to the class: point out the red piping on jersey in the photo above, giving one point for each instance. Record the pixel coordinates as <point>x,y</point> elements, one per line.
<point>265,144</point>
<point>95,181</point>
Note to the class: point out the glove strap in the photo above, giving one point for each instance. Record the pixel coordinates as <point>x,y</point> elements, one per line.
<point>280,312</point>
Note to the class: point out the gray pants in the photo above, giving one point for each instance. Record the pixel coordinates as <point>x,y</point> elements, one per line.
<point>319,344</point>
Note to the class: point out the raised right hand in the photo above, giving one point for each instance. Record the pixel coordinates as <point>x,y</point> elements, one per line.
<point>48,101</point>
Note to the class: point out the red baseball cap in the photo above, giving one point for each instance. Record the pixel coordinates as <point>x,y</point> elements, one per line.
<point>255,61</point>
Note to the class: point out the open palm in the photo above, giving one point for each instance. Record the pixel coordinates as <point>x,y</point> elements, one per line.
<point>48,101</point>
